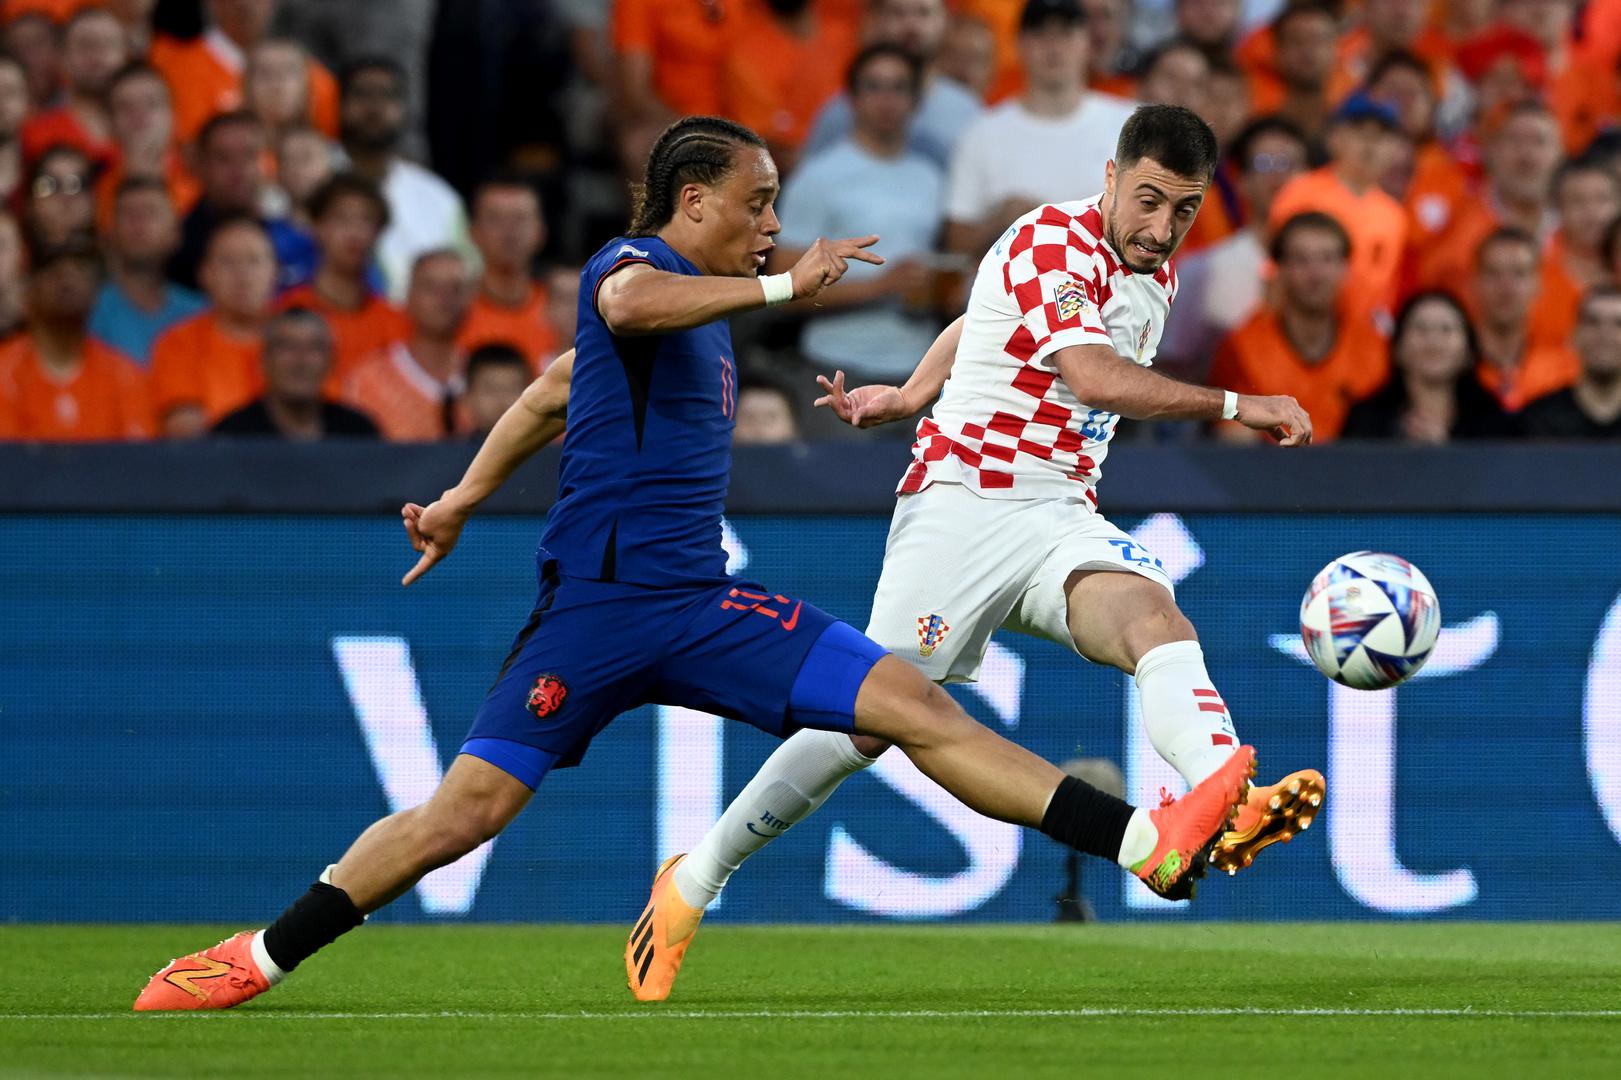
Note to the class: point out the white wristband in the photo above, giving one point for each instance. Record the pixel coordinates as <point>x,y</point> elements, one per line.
<point>779,288</point>
<point>1229,405</point>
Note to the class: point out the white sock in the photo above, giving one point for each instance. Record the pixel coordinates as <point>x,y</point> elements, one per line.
<point>1138,843</point>
<point>272,972</point>
<point>1187,720</point>
<point>796,779</point>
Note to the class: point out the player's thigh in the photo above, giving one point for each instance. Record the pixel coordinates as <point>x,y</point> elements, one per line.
<point>954,566</point>
<point>583,657</point>
<point>1100,592</point>
<point>775,661</point>
<point>478,796</point>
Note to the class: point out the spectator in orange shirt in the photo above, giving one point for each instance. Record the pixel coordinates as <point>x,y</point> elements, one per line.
<point>33,39</point>
<point>497,376</point>
<point>1432,185</point>
<point>1363,143</point>
<point>13,111</point>
<point>413,387</point>
<point>511,306</point>
<point>297,362</point>
<point>276,85</point>
<point>1107,30</point>
<point>669,57</point>
<point>59,206</point>
<point>1591,407</point>
<point>56,383</point>
<point>1514,366</point>
<point>11,276</point>
<point>1390,26</point>
<point>208,365</point>
<point>1521,159</point>
<point>784,63</point>
<point>1305,346</point>
<point>1307,38</point>
<point>968,54</point>
<point>1581,90</point>
<point>1587,198</point>
<point>1433,394</point>
<point>143,132</point>
<point>349,214</point>
<point>206,74</point>
<point>93,49</point>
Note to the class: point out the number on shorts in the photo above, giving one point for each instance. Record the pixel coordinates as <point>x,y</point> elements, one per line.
<point>1130,552</point>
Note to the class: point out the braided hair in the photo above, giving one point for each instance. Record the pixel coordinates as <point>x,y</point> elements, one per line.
<point>693,150</point>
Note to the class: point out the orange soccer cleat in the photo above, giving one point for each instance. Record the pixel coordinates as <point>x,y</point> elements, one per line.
<point>1269,815</point>
<point>215,978</point>
<point>1189,826</point>
<point>661,936</point>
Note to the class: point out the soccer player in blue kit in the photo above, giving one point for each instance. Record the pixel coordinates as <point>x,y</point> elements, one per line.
<point>635,605</point>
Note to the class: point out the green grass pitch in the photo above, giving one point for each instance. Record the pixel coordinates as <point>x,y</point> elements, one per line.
<point>1250,1000</point>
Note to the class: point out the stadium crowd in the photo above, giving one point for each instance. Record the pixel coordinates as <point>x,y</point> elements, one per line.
<point>214,220</point>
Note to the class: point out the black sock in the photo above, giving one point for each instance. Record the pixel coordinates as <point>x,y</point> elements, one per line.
<point>1087,819</point>
<point>313,922</point>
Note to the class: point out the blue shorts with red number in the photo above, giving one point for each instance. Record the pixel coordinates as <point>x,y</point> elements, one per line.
<point>592,650</point>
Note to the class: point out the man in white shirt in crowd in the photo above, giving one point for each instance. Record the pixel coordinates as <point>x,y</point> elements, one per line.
<point>1043,146</point>
<point>946,106</point>
<point>878,324</point>
<point>425,213</point>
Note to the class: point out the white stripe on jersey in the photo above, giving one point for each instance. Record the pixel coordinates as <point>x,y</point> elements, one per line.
<point>1006,424</point>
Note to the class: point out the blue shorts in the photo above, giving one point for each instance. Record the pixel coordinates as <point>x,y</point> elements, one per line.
<point>592,650</point>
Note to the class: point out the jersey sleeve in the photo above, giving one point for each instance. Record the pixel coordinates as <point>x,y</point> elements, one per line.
<point>614,259</point>
<point>1058,282</point>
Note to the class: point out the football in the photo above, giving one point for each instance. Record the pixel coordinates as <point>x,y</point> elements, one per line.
<point>1369,620</point>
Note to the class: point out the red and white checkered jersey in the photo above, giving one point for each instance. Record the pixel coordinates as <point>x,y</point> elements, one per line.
<point>1006,424</point>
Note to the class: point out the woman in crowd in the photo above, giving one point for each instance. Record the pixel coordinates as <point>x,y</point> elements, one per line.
<point>1432,395</point>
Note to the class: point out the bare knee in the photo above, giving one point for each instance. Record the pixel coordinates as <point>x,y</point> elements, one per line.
<point>1159,625</point>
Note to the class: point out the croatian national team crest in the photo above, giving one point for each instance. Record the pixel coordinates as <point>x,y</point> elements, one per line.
<point>931,631</point>
<point>547,695</point>
<point>1070,299</point>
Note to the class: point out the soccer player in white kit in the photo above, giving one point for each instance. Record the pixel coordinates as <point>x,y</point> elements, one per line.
<point>997,523</point>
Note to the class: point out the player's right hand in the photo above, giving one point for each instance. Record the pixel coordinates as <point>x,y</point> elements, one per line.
<point>863,407</point>
<point>825,261</point>
<point>433,531</point>
<point>1280,416</point>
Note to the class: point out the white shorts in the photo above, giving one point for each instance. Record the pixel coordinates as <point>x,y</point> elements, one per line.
<point>959,566</point>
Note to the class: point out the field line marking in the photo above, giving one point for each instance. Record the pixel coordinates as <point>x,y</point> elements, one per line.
<point>863,1014</point>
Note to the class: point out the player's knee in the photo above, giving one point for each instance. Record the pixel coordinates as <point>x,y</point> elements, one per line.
<point>1159,625</point>
<point>450,828</point>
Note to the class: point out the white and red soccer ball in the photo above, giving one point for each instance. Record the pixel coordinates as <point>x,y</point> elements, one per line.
<point>1369,620</point>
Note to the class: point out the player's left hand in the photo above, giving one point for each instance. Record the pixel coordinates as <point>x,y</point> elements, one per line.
<point>433,531</point>
<point>863,407</point>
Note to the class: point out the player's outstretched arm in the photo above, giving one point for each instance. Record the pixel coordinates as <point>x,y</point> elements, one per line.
<point>534,420</point>
<point>869,406</point>
<point>1103,379</point>
<point>639,301</point>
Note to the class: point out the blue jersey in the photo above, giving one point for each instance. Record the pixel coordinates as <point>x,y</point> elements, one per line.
<point>649,447</point>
